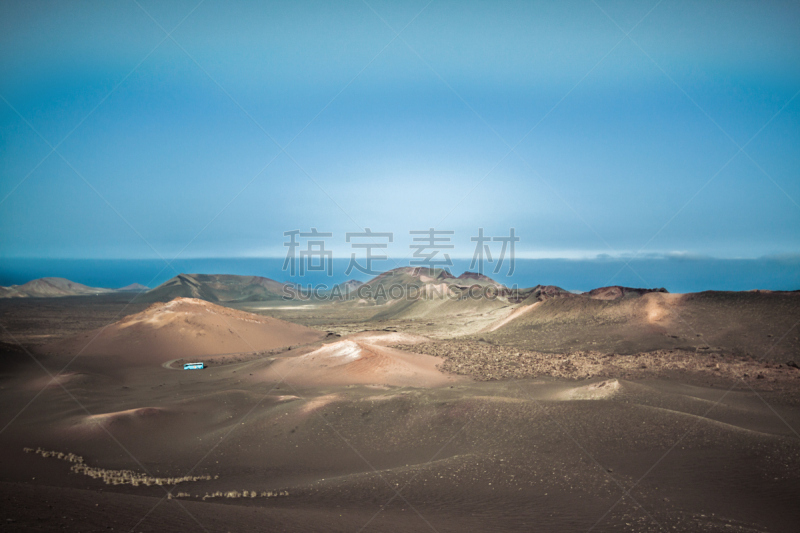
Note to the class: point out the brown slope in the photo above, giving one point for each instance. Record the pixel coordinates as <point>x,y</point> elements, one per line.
<point>353,361</point>
<point>475,276</point>
<point>50,288</point>
<point>743,323</point>
<point>135,287</point>
<point>616,292</point>
<point>216,288</point>
<point>185,327</point>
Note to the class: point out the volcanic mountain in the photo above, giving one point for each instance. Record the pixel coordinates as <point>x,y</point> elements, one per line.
<point>360,360</point>
<point>134,287</point>
<point>475,277</point>
<point>625,321</point>
<point>419,293</point>
<point>415,279</point>
<point>184,327</point>
<point>616,292</point>
<point>216,288</point>
<point>347,288</point>
<point>411,275</point>
<point>50,288</point>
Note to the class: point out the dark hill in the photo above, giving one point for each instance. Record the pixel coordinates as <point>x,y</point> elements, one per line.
<point>222,288</point>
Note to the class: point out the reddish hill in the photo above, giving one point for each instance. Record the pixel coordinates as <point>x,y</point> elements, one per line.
<point>185,327</point>
<point>474,276</point>
<point>616,292</point>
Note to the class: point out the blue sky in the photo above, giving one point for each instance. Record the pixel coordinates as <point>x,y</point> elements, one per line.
<point>621,144</point>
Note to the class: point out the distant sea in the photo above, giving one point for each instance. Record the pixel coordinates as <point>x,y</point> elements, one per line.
<point>674,274</point>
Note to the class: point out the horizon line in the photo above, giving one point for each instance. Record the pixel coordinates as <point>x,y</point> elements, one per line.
<point>597,257</point>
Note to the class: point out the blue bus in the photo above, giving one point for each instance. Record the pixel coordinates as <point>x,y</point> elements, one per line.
<point>193,366</point>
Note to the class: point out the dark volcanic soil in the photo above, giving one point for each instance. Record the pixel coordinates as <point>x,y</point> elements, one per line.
<point>762,325</point>
<point>486,361</point>
<point>500,456</point>
<point>676,446</point>
<point>34,321</point>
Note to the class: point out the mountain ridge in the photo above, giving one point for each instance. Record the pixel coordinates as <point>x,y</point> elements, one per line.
<point>50,287</point>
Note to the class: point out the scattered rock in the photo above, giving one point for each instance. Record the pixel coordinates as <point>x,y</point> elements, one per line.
<point>483,361</point>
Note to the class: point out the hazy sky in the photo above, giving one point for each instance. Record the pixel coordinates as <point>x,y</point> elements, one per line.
<point>542,116</point>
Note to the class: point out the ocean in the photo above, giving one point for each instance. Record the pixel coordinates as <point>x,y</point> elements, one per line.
<point>674,273</point>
